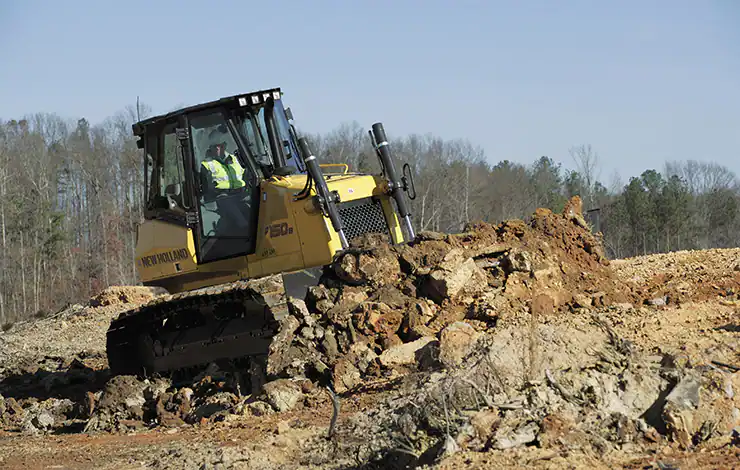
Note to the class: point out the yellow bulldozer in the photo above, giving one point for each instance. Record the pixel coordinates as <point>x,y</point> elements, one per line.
<point>233,194</point>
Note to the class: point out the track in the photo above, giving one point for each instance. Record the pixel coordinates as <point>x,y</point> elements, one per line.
<point>230,324</point>
<point>188,331</point>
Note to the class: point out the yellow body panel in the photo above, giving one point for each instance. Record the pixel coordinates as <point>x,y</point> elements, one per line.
<point>291,235</point>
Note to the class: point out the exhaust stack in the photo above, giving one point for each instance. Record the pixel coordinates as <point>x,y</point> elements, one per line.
<point>395,185</point>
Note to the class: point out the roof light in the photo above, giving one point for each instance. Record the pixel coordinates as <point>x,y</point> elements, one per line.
<point>276,95</point>
<point>242,101</point>
<point>255,99</point>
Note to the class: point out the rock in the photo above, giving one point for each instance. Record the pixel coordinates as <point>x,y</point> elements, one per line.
<point>624,306</point>
<point>279,354</point>
<point>283,394</point>
<point>517,285</point>
<point>449,447</point>
<point>598,299</point>
<point>329,345</point>
<point>308,333</point>
<point>318,332</point>
<point>387,341</point>
<point>429,235</point>
<point>121,405</point>
<point>379,318</point>
<point>211,405</point>
<point>376,264</point>
<point>259,408</point>
<point>341,312</point>
<point>381,267</point>
<point>44,420</point>
<point>542,306</point>
<point>555,430</point>
<point>405,353</point>
<point>520,436</point>
<point>311,320</point>
<point>283,427</point>
<point>494,250</point>
<point>685,394</point>
<point>415,320</point>
<point>453,276</point>
<point>124,394</point>
<point>678,410</point>
<point>365,356</point>
<point>456,341</point>
<point>582,301</point>
<point>484,423</point>
<point>679,424</point>
<point>345,375</point>
<point>320,299</point>
<point>546,270</point>
<point>517,260</point>
<point>298,308</point>
<point>657,301</point>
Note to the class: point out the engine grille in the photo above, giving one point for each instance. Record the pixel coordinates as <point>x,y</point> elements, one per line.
<point>363,216</point>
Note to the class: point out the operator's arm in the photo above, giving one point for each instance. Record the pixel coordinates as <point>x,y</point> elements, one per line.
<point>246,188</point>
<point>207,185</point>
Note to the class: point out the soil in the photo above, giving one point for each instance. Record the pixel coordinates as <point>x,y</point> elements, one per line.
<point>510,346</point>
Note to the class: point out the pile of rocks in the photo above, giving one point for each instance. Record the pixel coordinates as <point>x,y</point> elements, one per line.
<point>414,296</point>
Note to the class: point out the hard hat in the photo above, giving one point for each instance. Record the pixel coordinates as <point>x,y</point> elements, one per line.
<point>217,136</point>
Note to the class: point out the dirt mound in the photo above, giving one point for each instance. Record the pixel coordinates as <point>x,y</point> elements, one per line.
<point>48,366</point>
<point>581,388</point>
<point>119,295</point>
<point>393,301</point>
<point>678,277</point>
<point>77,329</point>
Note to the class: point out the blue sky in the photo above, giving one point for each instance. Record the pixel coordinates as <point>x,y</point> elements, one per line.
<point>641,81</point>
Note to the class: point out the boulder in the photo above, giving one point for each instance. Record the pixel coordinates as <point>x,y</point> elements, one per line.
<point>283,394</point>
<point>456,341</point>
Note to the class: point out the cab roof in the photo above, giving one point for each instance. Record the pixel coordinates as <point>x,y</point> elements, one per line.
<point>251,99</point>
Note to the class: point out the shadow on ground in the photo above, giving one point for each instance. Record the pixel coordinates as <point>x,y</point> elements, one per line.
<point>72,381</point>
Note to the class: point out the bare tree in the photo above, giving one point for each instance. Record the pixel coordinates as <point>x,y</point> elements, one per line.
<point>587,164</point>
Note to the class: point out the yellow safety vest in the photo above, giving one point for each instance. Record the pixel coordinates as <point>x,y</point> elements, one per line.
<point>226,175</point>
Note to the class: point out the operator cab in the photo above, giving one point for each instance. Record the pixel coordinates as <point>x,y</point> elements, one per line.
<point>204,165</point>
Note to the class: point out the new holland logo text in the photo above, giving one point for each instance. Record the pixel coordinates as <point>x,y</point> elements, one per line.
<point>166,257</point>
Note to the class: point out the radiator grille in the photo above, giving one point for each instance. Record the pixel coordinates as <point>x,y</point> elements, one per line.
<point>363,216</point>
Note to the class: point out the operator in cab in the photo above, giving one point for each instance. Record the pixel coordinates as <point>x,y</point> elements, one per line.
<point>225,182</point>
<point>223,172</point>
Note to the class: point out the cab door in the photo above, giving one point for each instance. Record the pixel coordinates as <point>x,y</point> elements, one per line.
<point>226,219</point>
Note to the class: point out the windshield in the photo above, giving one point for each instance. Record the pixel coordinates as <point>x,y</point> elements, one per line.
<point>254,133</point>
<point>288,138</point>
<point>256,130</point>
<point>266,129</point>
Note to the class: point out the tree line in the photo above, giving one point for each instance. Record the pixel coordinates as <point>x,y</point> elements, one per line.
<point>71,195</point>
<point>685,205</point>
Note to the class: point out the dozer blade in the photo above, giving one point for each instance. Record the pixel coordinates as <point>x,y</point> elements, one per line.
<point>296,284</point>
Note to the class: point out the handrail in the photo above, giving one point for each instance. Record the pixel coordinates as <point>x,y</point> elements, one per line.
<point>332,165</point>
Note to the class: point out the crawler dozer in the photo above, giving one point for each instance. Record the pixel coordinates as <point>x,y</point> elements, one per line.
<point>207,246</point>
